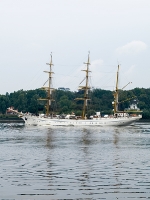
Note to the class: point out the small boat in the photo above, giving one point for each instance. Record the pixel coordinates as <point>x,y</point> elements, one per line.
<point>119,118</point>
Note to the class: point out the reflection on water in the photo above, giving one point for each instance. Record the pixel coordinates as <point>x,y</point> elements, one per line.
<point>75,163</point>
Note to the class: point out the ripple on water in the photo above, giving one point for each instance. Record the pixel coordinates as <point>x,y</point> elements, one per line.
<point>75,163</point>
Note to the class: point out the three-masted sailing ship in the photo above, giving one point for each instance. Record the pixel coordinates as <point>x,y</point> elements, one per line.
<point>47,120</point>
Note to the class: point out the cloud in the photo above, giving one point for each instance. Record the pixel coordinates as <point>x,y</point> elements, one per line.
<point>96,64</point>
<point>133,47</point>
<point>127,78</point>
<point>76,77</point>
<point>131,70</point>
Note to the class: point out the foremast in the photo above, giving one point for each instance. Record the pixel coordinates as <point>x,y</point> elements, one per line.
<point>85,88</point>
<point>49,88</point>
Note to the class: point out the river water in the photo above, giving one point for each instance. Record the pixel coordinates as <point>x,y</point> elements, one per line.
<point>74,163</point>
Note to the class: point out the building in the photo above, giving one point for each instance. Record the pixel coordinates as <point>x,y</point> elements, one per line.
<point>133,105</point>
<point>64,89</point>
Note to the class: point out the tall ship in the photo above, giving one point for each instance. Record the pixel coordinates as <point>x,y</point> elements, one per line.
<point>119,118</point>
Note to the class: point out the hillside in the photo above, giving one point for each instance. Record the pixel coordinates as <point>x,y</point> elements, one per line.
<point>101,100</point>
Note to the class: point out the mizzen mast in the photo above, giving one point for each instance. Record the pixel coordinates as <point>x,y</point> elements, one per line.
<point>85,88</point>
<point>116,94</point>
<point>116,102</point>
<point>49,88</point>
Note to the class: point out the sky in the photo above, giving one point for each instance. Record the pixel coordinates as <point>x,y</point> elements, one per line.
<point>113,31</point>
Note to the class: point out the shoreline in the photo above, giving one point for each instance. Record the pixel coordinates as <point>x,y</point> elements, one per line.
<point>11,120</point>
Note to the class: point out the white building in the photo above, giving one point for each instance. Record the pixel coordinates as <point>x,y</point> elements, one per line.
<point>133,105</point>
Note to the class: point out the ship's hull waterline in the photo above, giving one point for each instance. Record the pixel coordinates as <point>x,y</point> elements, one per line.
<point>38,121</point>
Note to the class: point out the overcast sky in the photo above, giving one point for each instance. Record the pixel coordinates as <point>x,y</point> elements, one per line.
<point>114,31</point>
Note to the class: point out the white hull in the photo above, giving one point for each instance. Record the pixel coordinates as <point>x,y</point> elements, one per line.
<point>41,121</point>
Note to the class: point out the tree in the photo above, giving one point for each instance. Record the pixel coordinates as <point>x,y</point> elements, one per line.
<point>101,101</point>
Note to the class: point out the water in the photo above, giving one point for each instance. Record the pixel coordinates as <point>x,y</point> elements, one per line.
<point>74,163</point>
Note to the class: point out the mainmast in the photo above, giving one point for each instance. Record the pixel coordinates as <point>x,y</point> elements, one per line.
<point>116,94</point>
<point>85,88</point>
<point>49,88</point>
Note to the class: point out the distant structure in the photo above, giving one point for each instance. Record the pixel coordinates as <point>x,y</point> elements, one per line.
<point>64,89</point>
<point>133,105</point>
<point>11,111</point>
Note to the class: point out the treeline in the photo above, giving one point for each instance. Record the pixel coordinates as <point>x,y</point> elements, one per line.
<point>101,100</point>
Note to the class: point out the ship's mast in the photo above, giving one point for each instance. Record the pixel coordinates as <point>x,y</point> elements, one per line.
<point>85,88</point>
<point>116,93</point>
<point>49,88</point>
